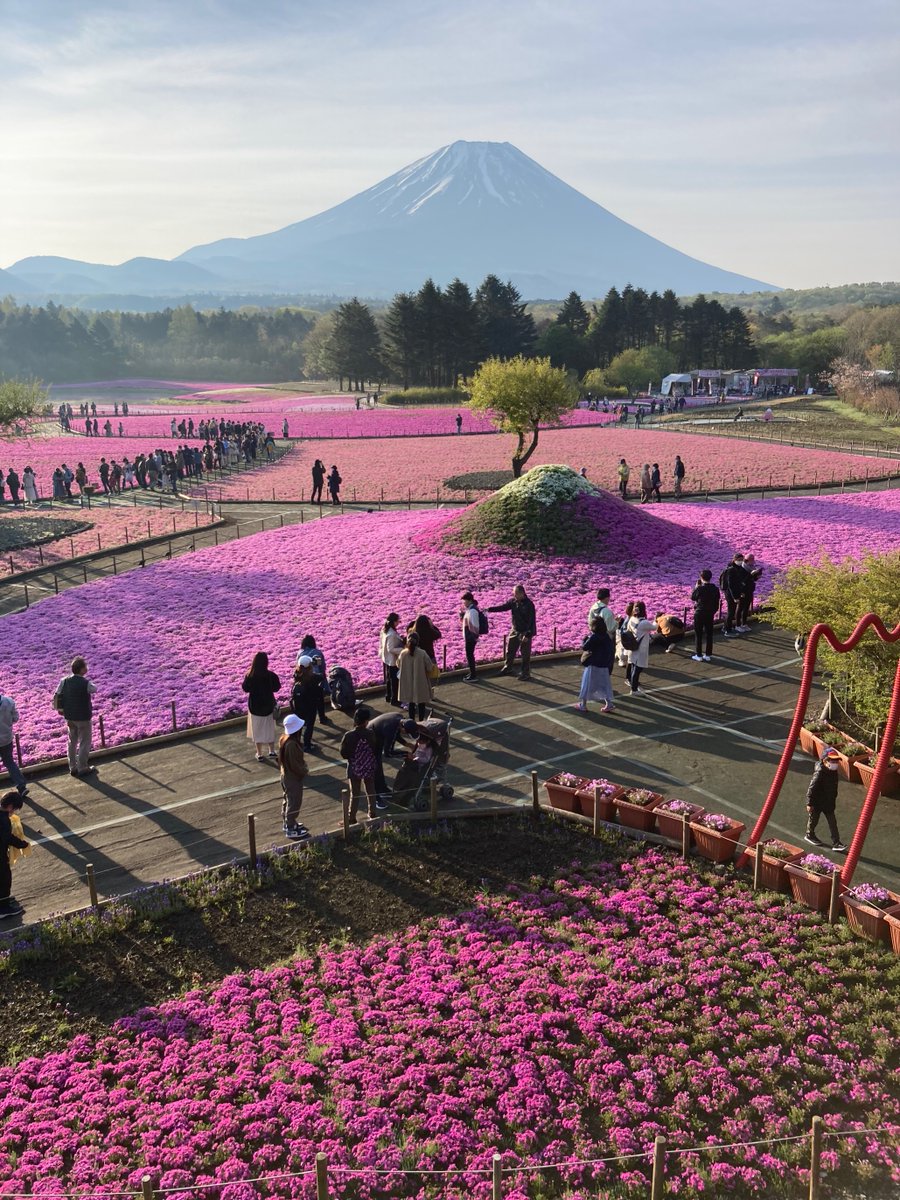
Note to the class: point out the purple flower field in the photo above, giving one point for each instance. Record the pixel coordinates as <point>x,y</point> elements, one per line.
<point>186,630</point>
<point>573,1022</point>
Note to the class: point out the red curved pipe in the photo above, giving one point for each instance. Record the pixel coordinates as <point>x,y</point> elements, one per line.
<point>818,632</point>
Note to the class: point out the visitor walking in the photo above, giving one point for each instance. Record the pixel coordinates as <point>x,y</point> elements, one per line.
<point>597,654</point>
<point>821,799</point>
<point>284,428</point>
<point>318,480</point>
<point>390,646</point>
<point>334,485</point>
<point>11,843</point>
<point>293,769</point>
<point>623,471</point>
<point>524,628</point>
<point>358,748</point>
<point>261,686</point>
<point>733,582</point>
<point>72,699</point>
<point>678,474</point>
<point>13,483</point>
<point>473,625</point>
<point>9,715</point>
<point>656,482</point>
<point>459,422</point>
<point>637,646</point>
<point>415,672</point>
<point>706,599</point>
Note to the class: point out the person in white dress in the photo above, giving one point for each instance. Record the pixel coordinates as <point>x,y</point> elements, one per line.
<point>30,484</point>
<point>636,659</point>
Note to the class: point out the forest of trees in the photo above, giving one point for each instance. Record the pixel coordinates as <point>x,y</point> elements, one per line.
<point>436,337</point>
<point>59,344</point>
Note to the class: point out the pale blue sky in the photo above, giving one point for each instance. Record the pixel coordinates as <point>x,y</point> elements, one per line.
<point>763,137</point>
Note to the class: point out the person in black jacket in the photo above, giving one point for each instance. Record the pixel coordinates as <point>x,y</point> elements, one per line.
<point>597,653</point>
<point>821,799</point>
<point>306,696</point>
<point>72,699</point>
<point>318,480</point>
<point>733,583</point>
<point>334,485</point>
<point>706,598</point>
<point>261,686</point>
<point>10,803</point>
<point>524,628</point>
<point>753,572</point>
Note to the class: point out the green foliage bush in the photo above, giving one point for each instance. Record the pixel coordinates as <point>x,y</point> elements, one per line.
<point>839,594</point>
<point>414,397</point>
<point>544,512</point>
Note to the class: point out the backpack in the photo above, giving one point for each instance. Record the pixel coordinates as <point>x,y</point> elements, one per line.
<point>343,693</point>
<point>483,623</point>
<point>627,638</point>
<point>723,580</point>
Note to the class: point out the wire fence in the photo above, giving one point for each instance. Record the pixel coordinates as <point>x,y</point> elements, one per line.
<point>328,1172</point>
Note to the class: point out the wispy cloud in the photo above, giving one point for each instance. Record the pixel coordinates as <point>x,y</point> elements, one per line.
<point>729,130</point>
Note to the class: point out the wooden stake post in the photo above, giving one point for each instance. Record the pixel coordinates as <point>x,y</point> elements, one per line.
<point>251,839</point>
<point>535,794</point>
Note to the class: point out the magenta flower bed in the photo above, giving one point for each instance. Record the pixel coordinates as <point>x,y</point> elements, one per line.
<point>574,1022</point>
<point>338,578</point>
<point>421,465</point>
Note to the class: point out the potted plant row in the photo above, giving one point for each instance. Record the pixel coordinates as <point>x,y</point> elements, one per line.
<point>774,856</point>
<point>867,908</point>
<point>856,761</point>
<point>672,814</point>
<point>864,770</point>
<point>601,792</point>
<point>810,880</point>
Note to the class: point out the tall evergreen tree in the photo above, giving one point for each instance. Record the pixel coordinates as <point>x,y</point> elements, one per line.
<point>505,328</point>
<point>461,341</point>
<point>430,332</point>
<point>573,314</point>
<point>355,344</point>
<point>400,338</point>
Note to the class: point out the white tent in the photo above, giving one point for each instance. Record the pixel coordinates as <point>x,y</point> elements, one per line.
<point>671,380</point>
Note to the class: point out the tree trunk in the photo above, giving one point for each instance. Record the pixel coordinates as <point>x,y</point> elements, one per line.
<point>520,459</point>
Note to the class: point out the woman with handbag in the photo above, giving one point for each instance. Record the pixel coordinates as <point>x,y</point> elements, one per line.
<point>597,653</point>
<point>416,670</point>
<point>637,646</point>
<point>261,686</point>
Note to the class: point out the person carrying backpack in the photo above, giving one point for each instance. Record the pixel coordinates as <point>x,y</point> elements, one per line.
<point>72,699</point>
<point>635,636</point>
<point>474,624</point>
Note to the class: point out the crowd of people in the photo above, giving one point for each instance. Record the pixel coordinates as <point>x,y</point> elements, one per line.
<point>159,469</point>
<point>650,479</point>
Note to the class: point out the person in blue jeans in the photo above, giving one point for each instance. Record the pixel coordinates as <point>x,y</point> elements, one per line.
<point>471,627</point>
<point>9,714</point>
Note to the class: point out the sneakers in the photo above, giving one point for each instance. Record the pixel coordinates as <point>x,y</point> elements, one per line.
<point>524,678</point>
<point>670,649</point>
<point>638,691</point>
<point>12,909</point>
<point>742,628</point>
<point>707,658</point>
<point>839,847</point>
<point>470,678</point>
<point>729,634</point>
<point>813,840</point>
<point>296,833</point>
<point>381,805</point>
<point>696,658</point>
<point>503,671</point>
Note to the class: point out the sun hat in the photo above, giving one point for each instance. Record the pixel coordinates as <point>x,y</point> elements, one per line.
<point>293,724</point>
<point>304,661</point>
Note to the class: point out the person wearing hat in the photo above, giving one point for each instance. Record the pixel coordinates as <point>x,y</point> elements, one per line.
<point>294,770</point>
<point>821,799</point>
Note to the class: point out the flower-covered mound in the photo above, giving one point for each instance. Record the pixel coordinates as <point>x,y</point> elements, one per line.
<point>550,510</point>
<point>576,1021</point>
<point>187,630</point>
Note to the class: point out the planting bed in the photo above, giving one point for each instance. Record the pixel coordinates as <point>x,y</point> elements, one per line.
<point>573,1016</point>
<point>338,579</point>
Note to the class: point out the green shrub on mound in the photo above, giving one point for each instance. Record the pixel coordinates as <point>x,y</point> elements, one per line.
<point>550,510</point>
<point>413,397</point>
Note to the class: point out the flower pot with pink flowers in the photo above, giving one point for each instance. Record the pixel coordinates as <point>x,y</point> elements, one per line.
<point>774,855</point>
<point>606,793</point>
<point>672,813</point>
<point>716,836</point>
<point>866,906</point>
<point>810,880</point>
<point>561,791</point>
<point>634,808</point>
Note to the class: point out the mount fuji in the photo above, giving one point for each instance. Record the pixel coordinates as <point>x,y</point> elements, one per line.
<point>468,210</point>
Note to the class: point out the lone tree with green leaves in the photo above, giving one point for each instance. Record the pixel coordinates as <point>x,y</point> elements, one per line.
<point>21,400</point>
<point>519,394</point>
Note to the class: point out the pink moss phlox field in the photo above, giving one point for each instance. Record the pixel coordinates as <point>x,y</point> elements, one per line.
<point>575,1021</point>
<point>116,526</point>
<point>192,626</point>
<point>420,465</point>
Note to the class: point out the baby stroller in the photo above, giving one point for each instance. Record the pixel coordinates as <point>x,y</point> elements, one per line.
<point>412,787</point>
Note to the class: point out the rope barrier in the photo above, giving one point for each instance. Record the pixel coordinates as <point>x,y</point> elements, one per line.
<point>338,1168</point>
